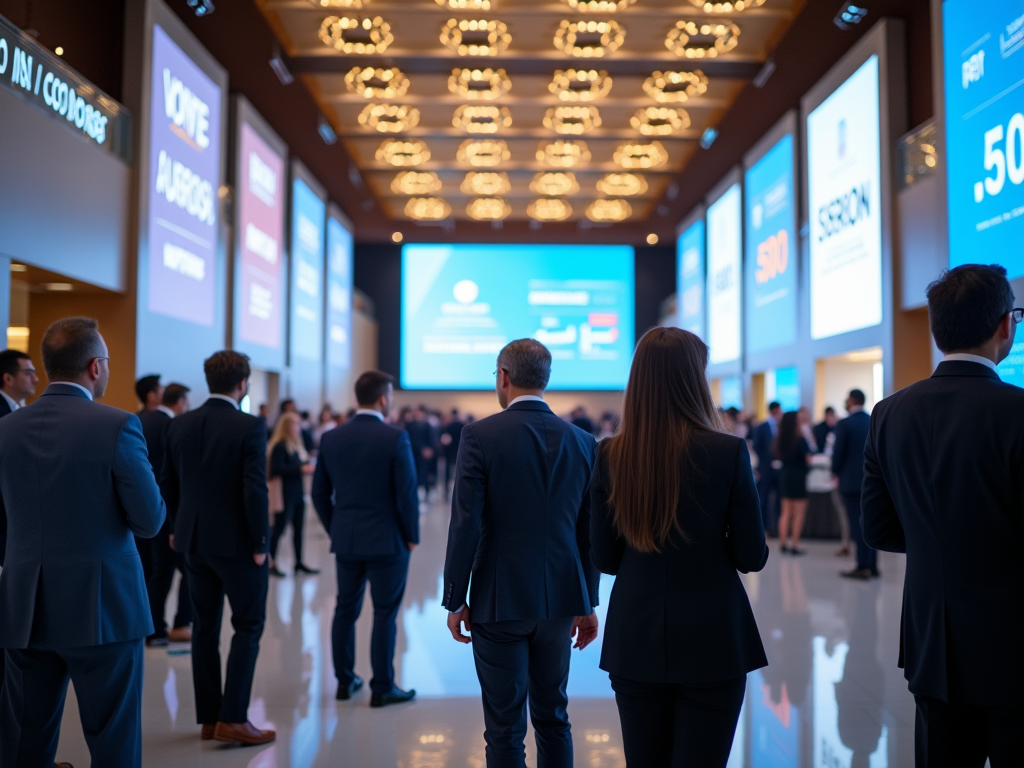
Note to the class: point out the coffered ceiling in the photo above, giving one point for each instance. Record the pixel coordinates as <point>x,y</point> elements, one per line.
<point>546,110</point>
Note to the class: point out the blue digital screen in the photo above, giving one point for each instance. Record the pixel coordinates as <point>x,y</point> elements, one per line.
<point>307,273</point>
<point>462,303</point>
<point>690,279</point>
<point>731,393</point>
<point>787,388</point>
<point>771,250</point>
<point>983,50</point>
<point>339,295</point>
<point>1011,370</point>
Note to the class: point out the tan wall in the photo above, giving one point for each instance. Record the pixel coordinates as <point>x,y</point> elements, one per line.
<point>912,347</point>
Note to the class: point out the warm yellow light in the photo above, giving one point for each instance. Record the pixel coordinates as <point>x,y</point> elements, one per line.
<point>16,267</point>
<point>549,209</point>
<point>467,5</point>
<point>609,210</point>
<point>660,121</point>
<point>483,153</point>
<point>554,184</point>
<point>675,87</point>
<point>652,239</point>
<point>416,183</point>
<point>704,40</point>
<point>487,183</point>
<point>352,34</point>
<point>580,84</point>
<point>397,237</point>
<point>563,153</point>
<point>488,209</point>
<point>403,153</point>
<point>389,118</point>
<point>600,6</point>
<point>729,6</point>
<point>427,209</point>
<point>475,37</point>
<point>572,120</point>
<point>377,83</point>
<point>59,50</point>
<point>479,84</point>
<point>481,118</point>
<point>639,155</point>
<point>355,4</point>
<point>589,39</point>
<point>18,338</point>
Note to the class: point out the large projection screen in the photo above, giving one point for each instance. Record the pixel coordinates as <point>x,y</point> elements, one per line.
<point>725,256</point>
<point>690,277</point>
<point>462,303</point>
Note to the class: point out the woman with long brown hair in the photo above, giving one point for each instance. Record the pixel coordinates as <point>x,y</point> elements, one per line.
<point>792,450</point>
<point>674,517</point>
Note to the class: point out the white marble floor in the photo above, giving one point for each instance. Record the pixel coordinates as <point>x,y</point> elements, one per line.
<point>832,696</point>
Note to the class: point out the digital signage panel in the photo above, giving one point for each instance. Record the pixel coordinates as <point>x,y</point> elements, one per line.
<point>771,255</point>
<point>690,278</point>
<point>339,294</point>
<point>184,178</point>
<point>462,303</point>
<point>983,52</point>
<point>844,206</point>
<point>307,256</point>
<point>725,225</point>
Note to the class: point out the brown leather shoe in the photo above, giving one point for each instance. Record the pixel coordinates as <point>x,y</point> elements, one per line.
<point>207,733</point>
<point>180,635</point>
<point>245,734</point>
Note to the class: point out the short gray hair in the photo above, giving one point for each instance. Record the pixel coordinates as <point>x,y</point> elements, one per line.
<point>527,362</point>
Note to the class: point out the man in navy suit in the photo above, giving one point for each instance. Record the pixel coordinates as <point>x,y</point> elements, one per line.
<point>767,476</point>
<point>848,469</point>
<point>364,490</point>
<point>520,528</point>
<point>75,484</point>
<point>943,482</point>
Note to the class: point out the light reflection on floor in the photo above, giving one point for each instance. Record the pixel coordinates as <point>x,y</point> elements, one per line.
<point>831,698</point>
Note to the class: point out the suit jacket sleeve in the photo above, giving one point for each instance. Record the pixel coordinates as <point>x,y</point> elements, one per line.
<point>466,522</point>
<point>607,547</point>
<point>254,487</point>
<point>407,501</point>
<point>590,572</point>
<point>3,530</point>
<point>747,543</point>
<point>882,527</point>
<point>170,488</point>
<point>322,489</point>
<point>839,449</point>
<point>136,486</point>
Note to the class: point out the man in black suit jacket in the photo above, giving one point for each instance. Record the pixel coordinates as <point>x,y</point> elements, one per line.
<point>767,476</point>
<point>824,428</point>
<point>848,469</point>
<point>75,484</point>
<point>520,528</point>
<point>215,484</point>
<point>364,490</point>
<point>450,439</point>
<point>943,482</point>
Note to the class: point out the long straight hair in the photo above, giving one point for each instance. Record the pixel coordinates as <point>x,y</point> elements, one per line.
<point>786,435</point>
<point>282,434</point>
<point>668,399</point>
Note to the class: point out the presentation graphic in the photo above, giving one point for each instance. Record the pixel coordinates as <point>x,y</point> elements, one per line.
<point>725,222</point>
<point>983,51</point>
<point>690,279</point>
<point>307,272</point>
<point>184,176</point>
<point>462,303</point>
<point>844,206</point>
<point>261,263</point>
<point>339,295</point>
<point>731,393</point>
<point>771,250</point>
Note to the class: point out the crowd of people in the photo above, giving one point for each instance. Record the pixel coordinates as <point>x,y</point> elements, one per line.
<point>99,507</point>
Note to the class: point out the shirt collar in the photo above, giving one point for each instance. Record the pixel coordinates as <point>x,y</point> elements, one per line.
<point>165,409</point>
<point>74,384</point>
<point>226,399</point>
<point>855,409</point>
<point>524,398</point>
<point>966,358</point>
<point>370,412</point>
<point>15,405</point>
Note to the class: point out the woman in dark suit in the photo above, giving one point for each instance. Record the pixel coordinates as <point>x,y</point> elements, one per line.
<point>675,516</point>
<point>792,449</point>
<point>289,461</point>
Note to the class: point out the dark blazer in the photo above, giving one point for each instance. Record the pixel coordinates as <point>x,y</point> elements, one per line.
<point>154,429</point>
<point>521,518</point>
<point>364,489</point>
<point>944,482</point>
<point>75,484</point>
<point>454,431</point>
<point>821,431</point>
<point>762,441</point>
<point>682,615</point>
<point>288,466</point>
<point>5,409</point>
<point>848,451</point>
<point>215,481</point>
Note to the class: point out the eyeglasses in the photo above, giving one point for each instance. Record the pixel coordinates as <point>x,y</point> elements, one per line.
<point>1017,315</point>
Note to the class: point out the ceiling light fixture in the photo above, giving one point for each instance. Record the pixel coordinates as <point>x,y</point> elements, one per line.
<point>475,37</point>
<point>652,239</point>
<point>483,153</point>
<point>660,121</point>
<point>572,120</point>
<point>353,4</point>
<point>849,15</point>
<point>467,5</point>
<point>488,209</point>
<point>326,131</point>
<point>554,184</point>
<point>675,87</point>
<point>277,63</point>
<point>427,209</point>
<point>479,84</point>
<point>389,118</point>
<point>400,153</point>
<point>481,118</point>
<point>589,39</point>
<point>563,154</point>
<point>201,7</point>
<point>486,183</point>
<point>726,6</point>
<point>580,84</point>
<point>397,237</point>
<point>633,155</point>
<point>549,209</point>
<point>613,210</point>
<point>351,34</point>
<point>377,83</point>
<point>416,183</point>
<point>704,40</point>
<point>708,137</point>
<point>621,185</point>
<point>599,6</point>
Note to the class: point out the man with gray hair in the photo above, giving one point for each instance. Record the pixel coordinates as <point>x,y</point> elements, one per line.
<point>520,528</point>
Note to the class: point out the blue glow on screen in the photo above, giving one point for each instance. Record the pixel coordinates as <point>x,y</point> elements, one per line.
<point>690,278</point>
<point>339,294</point>
<point>771,250</point>
<point>787,388</point>
<point>307,273</point>
<point>731,393</point>
<point>462,303</point>
<point>1011,370</point>
<point>983,46</point>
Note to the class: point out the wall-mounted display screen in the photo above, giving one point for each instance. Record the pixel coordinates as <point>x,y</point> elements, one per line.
<point>1011,370</point>
<point>983,52</point>
<point>771,250</point>
<point>783,386</point>
<point>725,228</point>
<point>690,278</point>
<point>844,206</point>
<point>184,178</point>
<point>731,393</point>
<point>339,294</point>
<point>260,271</point>
<point>462,303</point>
<point>307,320</point>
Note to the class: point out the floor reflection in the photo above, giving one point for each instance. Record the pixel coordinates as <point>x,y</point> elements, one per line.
<point>832,696</point>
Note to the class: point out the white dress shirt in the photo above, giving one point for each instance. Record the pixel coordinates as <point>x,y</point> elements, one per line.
<point>226,399</point>
<point>966,358</point>
<point>370,412</point>
<point>14,404</point>
<point>523,398</point>
<point>166,410</point>
<point>73,384</point>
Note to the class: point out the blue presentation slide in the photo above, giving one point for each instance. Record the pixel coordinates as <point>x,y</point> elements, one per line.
<point>690,278</point>
<point>771,250</point>
<point>983,48</point>
<point>307,272</point>
<point>462,303</point>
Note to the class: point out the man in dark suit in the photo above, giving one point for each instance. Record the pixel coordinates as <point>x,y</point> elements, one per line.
<point>364,490</point>
<point>848,469</point>
<point>422,438</point>
<point>943,483</point>
<point>450,440</point>
<point>75,484</point>
<point>824,428</point>
<point>215,484</point>
<point>520,528</point>
<point>767,476</point>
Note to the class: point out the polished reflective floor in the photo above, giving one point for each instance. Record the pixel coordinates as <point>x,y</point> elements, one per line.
<point>832,696</point>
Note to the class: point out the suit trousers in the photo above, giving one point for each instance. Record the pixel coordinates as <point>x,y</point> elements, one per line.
<point>163,562</point>
<point>768,496</point>
<point>108,684</point>
<point>948,735</point>
<point>296,515</point>
<point>867,558</point>
<point>387,587</point>
<point>245,585</point>
<point>519,662</point>
<point>665,725</point>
